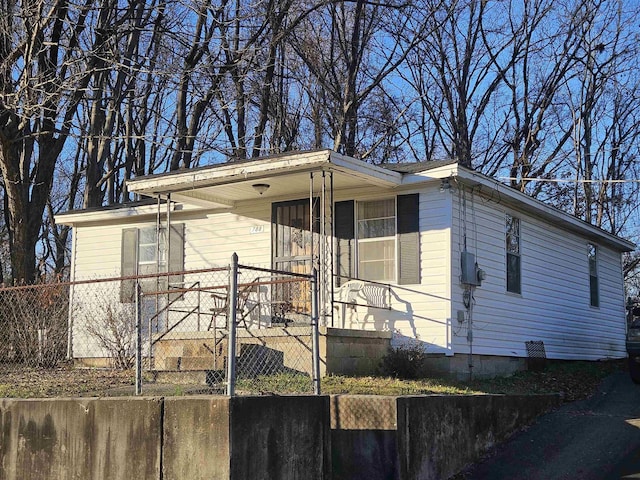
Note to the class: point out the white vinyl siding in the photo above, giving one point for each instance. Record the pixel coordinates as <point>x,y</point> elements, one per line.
<point>211,239</point>
<point>555,302</point>
<point>421,311</point>
<point>97,251</point>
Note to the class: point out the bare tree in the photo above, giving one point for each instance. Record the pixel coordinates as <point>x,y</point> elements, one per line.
<point>44,73</point>
<point>604,100</point>
<point>351,49</point>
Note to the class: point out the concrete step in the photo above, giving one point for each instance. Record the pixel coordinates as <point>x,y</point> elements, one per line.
<point>209,378</point>
<point>191,363</point>
<point>189,348</point>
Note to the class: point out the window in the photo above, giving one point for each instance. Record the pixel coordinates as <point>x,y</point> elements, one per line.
<point>141,256</point>
<point>593,275</point>
<point>376,233</point>
<point>513,254</point>
<point>378,240</point>
<point>148,250</point>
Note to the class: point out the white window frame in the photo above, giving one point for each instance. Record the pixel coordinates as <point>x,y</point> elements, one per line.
<point>359,241</point>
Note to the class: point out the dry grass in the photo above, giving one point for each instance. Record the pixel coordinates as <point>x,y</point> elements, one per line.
<point>574,380</point>
<point>64,381</point>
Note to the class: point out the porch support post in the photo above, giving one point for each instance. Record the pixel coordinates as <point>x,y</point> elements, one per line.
<point>323,249</point>
<point>322,253</point>
<point>315,337</point>
<point>311,219</point>
<point>167,261</point>
<point>158,253</point>
<point>233,302</point>
<point>138,339</point>
<point>331,243</point>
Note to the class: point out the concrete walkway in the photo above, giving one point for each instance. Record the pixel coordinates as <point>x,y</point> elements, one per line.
<point>597,438</point>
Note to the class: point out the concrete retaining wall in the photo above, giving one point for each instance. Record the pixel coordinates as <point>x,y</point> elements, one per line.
<point>246,437</point>
<point>187,438</point>
<point>289,437</point>
<point>106,439</point>
<point>423,437</point>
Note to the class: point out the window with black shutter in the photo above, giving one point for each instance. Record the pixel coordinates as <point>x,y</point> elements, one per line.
<point>378,240</point>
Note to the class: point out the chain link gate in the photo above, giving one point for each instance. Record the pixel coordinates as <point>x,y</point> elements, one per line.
<point>276,332</point>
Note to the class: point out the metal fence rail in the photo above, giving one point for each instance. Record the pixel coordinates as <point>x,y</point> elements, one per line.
<point>233,329</point>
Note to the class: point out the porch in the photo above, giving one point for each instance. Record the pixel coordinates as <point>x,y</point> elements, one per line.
<point>183,324</point>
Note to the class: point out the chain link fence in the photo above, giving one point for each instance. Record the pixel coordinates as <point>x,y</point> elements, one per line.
<point>234,329</point>
<point>33,326</point>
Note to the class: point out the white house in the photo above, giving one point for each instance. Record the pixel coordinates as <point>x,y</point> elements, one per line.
<point>432,252</point>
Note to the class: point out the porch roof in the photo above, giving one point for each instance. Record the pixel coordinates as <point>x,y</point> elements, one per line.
<point>222,185</point>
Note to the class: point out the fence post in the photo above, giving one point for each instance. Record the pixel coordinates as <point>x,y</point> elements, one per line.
<point>315,337</point>
<point>233,302</point>
<point>138,339</point>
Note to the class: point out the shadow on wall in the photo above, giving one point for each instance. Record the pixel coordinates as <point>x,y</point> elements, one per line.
<point>362,305</point>
<point>369,306</point>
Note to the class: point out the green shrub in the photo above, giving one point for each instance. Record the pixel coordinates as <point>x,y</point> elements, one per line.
<point>406,362</point>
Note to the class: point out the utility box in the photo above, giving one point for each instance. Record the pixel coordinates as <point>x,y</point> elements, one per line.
<point>470,271</point>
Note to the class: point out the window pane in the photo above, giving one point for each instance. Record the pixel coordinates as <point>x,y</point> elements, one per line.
<point>513,244</point>
<point>377,209</point>
<point>512,238</point>
<point>147,253</point>
<point>383,227</point>
<point>377,250</point>
<point>513,273</point>
<point>513,234</point>
<point>377,260</point>
<point>376,219</point>
<point>593,291</point>
<point>147,235</point>
<point>592,260</point>
<point>147,245</point>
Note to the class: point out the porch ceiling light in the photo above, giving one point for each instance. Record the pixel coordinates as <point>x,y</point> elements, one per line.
<point>261,187</point>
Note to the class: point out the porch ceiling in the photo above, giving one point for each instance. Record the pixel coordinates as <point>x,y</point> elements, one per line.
<point>222,186</point>
<point>296,184</point>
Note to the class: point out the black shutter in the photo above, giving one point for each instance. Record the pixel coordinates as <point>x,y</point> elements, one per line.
<point>128,264</point>
<point>345,239</point>
<point>408,239</point>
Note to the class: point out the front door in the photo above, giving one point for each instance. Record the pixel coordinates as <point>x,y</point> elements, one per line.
<point>293,246</point>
